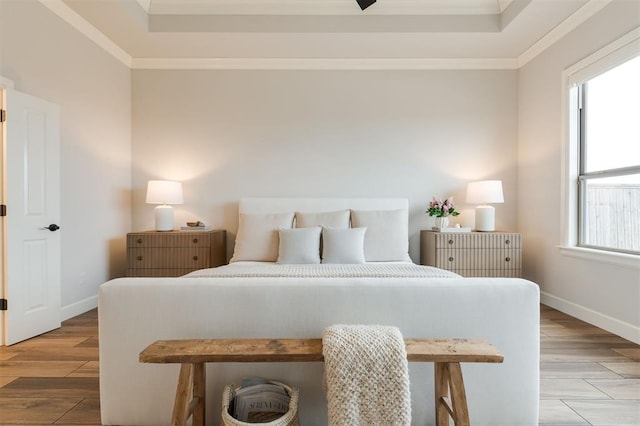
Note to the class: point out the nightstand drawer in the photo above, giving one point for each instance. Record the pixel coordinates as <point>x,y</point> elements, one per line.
<point>158,272</point>
<point>193,258</point>
<point>473,254</point>
<point>502,273</point>
<point>475,240</point>
<point>478,259</point>
<point>174,253</point>
<point>187,258</point>
<point>161,239</point>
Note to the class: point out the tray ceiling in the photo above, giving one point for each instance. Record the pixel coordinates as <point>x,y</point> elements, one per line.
<point>304,30</point>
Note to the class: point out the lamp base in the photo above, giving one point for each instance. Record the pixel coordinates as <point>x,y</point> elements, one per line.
<point>163,218</point>
<point>485,219</point>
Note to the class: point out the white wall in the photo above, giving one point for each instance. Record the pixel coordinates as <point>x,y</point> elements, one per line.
<point>48,58</point>
<point>233,134</point>
<point>605,294</point>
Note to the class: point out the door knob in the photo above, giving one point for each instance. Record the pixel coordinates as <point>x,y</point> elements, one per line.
<point>53,227</point>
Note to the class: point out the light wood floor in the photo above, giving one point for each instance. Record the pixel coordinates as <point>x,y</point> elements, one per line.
<point>588,376</point>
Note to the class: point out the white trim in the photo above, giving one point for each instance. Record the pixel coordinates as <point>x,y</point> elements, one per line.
<point>623,329</point>
<point>79,307</point>
<point>324,63</point>
<point>84,27</point>
<point>593,255</point>
<point>569,155</point>
<point>91,32</point>
<point>324,7</point>
<point>568,170</point>
<point>615,53</point>
<point>565,27</point>
<point>145,4</point>
<point>6,83</point>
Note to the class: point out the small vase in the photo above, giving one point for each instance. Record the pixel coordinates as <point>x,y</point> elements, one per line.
<point>442,222</point>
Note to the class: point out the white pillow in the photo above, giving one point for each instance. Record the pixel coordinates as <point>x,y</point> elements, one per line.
<point>299,245</point>
<point>339,219</point>
<point>343,245</point>
<point>387,234</point>
<point>257,237</point>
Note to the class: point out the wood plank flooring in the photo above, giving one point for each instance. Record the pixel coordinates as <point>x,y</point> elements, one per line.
<point>53,378</point>
<point>587,375</point>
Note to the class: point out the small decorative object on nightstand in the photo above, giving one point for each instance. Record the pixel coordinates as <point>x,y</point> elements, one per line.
<point>174,253</point>
<point>441,210</point>
<point>473,254</point>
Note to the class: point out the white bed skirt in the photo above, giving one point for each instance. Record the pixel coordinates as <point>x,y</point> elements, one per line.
<point>134,312</point>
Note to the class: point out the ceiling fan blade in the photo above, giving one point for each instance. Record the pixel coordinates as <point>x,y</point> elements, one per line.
<point>365,3</point>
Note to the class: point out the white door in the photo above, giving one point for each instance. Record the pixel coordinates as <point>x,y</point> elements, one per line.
<point>32,183</point>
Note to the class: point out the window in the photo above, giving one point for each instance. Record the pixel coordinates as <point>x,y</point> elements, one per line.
<point>607,133</point>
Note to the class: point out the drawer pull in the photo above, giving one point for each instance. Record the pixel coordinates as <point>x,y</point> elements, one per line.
<point>195,257</point>
<point>139,240</point>
<point>507,242</point>
<point>451,259</point>
<point>450,241</point>
<point>507,259</point>
<point>139,258</point>
<point>195,241</point>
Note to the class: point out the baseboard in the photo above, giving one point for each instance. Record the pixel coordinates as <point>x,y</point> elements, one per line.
<point>613,325</point>
<point>79,307</point>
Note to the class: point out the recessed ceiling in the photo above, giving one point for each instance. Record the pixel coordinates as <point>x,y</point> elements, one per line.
<point>410,30</point>
<point>324,7</point>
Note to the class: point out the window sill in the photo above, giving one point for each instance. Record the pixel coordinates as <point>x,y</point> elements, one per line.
<point>620,259</point>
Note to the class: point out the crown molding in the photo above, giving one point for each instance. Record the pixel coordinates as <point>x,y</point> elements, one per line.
<point>565,27</point>
<point>325,7</point>
<point>84,27</point>
<point>6,83</point>
<point>324,63</point>
<point>145,4</point>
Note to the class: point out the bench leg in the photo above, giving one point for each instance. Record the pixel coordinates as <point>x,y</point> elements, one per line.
<point>448,382</point>
<point>183,394</point>
<point>190,395</point>
<point>441,379</point>
<point>199,393</point>
<point>458,395</point>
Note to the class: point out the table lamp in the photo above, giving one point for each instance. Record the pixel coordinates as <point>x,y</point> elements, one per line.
<point>483,193</point>
<point>165,193</point>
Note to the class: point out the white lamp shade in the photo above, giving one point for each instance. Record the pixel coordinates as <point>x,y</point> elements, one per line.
<point>164,192</point>
<point>485,192</point>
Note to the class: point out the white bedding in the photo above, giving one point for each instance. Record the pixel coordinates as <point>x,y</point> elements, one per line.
<point>367,270</point>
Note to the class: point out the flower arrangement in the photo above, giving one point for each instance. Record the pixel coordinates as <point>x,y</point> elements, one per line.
<point>439,208</point>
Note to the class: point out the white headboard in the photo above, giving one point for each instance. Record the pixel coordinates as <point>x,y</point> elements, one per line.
<point>285,205</point>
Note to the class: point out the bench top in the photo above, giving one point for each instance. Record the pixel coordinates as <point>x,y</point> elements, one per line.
<point>306,350</point>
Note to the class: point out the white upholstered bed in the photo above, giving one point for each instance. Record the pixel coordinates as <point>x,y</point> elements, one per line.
<point>421,302</point>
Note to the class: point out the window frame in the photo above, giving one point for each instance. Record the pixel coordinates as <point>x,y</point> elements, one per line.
<point>572,215</point>
<point>584,176</point>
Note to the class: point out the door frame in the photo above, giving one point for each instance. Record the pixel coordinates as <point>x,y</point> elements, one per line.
<point>5,83</point>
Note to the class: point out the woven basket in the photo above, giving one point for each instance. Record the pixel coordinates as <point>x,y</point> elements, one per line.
<point>290,418</point>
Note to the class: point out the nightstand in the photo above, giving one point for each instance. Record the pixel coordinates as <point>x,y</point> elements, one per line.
<point>473,254</point>
<point>174,253</point>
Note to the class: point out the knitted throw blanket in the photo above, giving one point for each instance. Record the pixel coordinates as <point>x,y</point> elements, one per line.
<point>367,375</point>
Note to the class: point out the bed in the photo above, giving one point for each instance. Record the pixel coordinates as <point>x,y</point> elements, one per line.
<point>277,288</point>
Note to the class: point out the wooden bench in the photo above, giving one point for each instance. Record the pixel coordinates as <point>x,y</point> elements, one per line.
<point>446,354</point>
